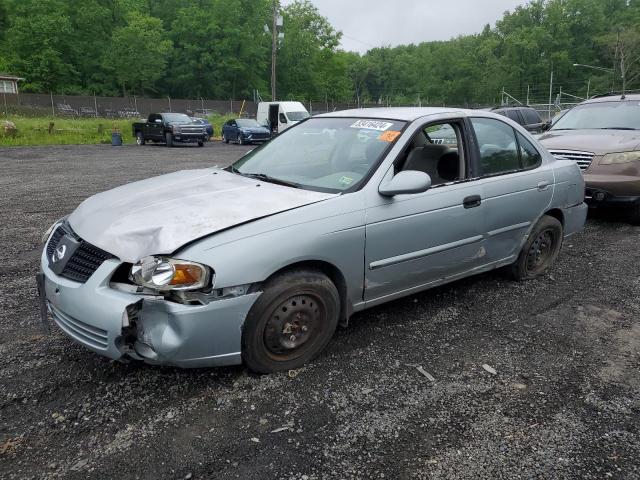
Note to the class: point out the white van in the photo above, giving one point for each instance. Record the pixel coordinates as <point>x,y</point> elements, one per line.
<point>281,115</point>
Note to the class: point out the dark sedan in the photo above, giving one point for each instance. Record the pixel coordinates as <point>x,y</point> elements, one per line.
<point>244,131</point>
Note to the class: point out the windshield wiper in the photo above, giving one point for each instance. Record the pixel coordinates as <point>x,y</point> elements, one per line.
<point>266,178</point>
<point>618,128</point>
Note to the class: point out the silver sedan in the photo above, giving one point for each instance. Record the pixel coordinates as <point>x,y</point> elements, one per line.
<point>260,262</point>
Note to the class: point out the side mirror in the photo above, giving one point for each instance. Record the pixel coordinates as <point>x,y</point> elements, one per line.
<point>546,126</point>
<point>406,182</point>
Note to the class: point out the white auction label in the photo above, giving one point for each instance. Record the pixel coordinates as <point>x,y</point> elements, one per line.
<point>372,125</point>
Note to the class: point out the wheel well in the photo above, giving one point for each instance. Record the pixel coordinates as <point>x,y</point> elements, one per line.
<point>557,214</point>
<point>334,274</point>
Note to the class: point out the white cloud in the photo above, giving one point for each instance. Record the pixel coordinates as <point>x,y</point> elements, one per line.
<point>374,23</point>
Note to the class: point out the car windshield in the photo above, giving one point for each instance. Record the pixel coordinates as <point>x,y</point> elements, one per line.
<point>621,115</point>
<point>297,116</point>
<point>323,154</point>
<point>247,122</point>
<point>176,117</point>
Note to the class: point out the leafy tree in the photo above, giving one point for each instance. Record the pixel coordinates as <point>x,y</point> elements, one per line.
<point>138,53</point>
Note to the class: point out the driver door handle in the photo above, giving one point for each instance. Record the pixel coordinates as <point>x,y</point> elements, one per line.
<point>472,201</point>
<point>542,186</point>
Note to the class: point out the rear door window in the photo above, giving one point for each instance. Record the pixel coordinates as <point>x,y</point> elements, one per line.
<point>498,146</point>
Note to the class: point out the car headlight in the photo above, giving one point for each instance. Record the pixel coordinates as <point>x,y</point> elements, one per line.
<point>166,274</point>
<point>623,157</point>
<point>176,129</point>
<point>47,234</point>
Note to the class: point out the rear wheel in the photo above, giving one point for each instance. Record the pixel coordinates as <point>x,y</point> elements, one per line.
<point>169,139</point>
<point>635,213</point>
<point>291,322</point>
<point>540,250</point>
<point>140,138</point>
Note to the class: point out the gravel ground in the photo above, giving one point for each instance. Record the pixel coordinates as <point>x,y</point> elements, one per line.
<point>560,399</point>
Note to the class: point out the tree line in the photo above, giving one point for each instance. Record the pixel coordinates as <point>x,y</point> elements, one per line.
<point>221,49</point>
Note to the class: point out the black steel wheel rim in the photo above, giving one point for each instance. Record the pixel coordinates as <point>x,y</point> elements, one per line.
<point>541,251</point>
<point>294,326</point>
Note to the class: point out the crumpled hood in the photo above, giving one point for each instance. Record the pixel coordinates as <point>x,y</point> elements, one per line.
<point>159,215</point>
<point>599,142</point>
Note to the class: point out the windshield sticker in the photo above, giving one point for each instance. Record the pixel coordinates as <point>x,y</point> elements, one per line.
<point>346,180</point>
<point>372,125</point>
<point>389,136</point>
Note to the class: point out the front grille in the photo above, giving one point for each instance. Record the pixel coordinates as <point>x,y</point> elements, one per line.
<point>583,159</point>
<point>85,260</point>
<point>93,336</point>
<point>192,130</point>
<point>260,135</point>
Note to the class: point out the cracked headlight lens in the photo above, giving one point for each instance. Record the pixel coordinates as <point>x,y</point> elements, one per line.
<point>166,274</point>
<point>623,157</point>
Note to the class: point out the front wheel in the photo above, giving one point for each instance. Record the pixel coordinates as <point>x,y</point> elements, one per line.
<point>241,139</point>
<point>224,138</point>
<point>169,139</point>
<point>291,322</point>
<point>200,143</point>
<point>540,250</point>
<point>140,138</point>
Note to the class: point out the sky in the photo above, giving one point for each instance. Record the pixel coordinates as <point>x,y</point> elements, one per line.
<point>366,24</point>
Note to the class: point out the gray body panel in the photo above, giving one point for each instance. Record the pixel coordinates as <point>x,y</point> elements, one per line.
<point>383,247</point>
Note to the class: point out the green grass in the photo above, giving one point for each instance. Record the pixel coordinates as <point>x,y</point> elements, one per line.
<point>76,131</point>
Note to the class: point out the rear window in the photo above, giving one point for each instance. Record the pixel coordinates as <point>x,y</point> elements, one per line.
<point>513,115</point>
<point>531,117</point>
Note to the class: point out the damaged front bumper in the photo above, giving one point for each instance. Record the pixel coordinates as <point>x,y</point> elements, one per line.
<point>119,324</point>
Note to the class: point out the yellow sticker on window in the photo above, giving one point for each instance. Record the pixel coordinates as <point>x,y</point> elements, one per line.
<point>389,136</point>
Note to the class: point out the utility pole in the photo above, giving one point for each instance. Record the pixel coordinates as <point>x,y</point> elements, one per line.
<point>274,48</point>
<point>550,93</point>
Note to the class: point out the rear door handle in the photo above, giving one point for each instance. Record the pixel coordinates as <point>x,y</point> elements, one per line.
<point>472,201</point>
<point>542,186</point>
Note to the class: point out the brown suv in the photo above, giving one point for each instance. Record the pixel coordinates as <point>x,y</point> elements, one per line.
<point>603,136</point>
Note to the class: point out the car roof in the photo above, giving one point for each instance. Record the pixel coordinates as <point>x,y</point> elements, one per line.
<point>407,114</point>
<point>633,97</point>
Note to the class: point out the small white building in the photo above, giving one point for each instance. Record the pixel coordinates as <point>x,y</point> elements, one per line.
<point>9,83</point>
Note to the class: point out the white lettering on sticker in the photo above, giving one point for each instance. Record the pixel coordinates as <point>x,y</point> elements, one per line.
<point>372,125</point>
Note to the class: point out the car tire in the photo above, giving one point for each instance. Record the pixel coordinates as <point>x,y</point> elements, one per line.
<point>169,139</point>
<point>241,139</point>
<point>634,214</point>
<point>201,143</point>
<point>291,322</point>
<point>540,250</point>
<point>224,138</point>
<point>207,138</point>
<point>140,138</point>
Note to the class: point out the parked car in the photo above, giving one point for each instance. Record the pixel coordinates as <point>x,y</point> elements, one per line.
<point>602,136</point>
<point>278,116</point>
<point>525,116</point>
<point>258,263</point>
<point>207,126</point>
<point>169,128</point>
<point>244,131</point>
